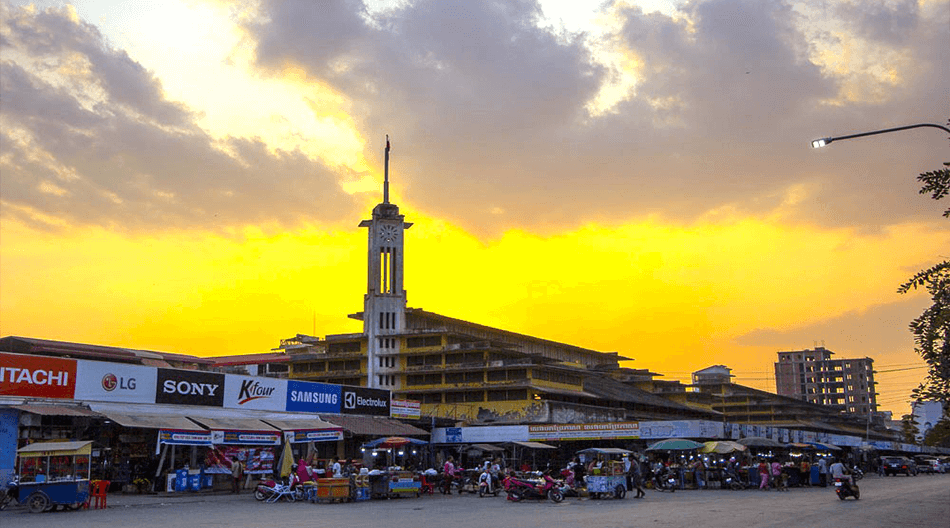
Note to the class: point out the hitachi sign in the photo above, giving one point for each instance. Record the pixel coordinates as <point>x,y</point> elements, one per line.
<point>34,377</point>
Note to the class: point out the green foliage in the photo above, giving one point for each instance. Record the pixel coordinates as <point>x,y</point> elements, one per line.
<point>908,429</point>
<point>939,436</point>
<point>932,329</point>
<point>937,183</point>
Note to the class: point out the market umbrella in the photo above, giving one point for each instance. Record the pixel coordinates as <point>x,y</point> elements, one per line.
<point>674,444</point>
<point>760,441</point>
<point>722,446</point>
<point>286,459</point>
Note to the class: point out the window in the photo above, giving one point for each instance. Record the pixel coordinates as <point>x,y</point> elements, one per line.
<point>424,341</point>
<point>423,379</point>
<point>349,346</point>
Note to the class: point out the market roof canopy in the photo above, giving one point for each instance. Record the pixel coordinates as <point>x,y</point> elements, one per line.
<point>56,410</point>
<point>534,445</point>
<point>374,426</point>
<point>233,424</point>
<point>487,447</point>
<point>154,421</point>
<point>56,448</point>
<point>722,447</point>
<point>394,441</point>
<point>300,425</point>
<point>825,447</point>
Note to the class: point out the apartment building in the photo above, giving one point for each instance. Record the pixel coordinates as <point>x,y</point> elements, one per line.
<point>813,376</point>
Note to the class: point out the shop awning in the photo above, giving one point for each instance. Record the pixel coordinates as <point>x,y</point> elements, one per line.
<point>239,431</point>
<point>487,448</point>
<point>56,448</point>
<point>233,424</point>
<point>533,445</point>
<point>307,430</point>
<point>56,410</point>
<point>374,426</point>
<point>154,421</point>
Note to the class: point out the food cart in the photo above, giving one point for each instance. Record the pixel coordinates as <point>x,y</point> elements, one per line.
<point>610,481</point>
<point>54,474</point>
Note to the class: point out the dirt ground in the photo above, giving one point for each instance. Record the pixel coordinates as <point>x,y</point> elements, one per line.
<point>918,502</point>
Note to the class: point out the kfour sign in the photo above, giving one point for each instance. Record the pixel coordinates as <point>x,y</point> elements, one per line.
<point>246,392</point>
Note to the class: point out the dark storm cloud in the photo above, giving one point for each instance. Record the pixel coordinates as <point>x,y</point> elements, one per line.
<point>489,111</point>
<point>99,144</point>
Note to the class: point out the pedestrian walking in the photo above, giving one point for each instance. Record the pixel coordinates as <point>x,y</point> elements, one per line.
<point>237,471</point>
<point>764,471</point>
<point>823,472</point>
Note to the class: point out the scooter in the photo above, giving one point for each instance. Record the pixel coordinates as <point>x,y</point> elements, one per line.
<point>519,489</point>
<point>487,484</point>
<point>844,489</point>
<point>568,484</point>
<point>10,495</point>
<point>665,481</point>
<point>732,481</point>
<point>856,473</point>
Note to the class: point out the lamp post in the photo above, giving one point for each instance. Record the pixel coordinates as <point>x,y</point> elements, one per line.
<point>822,142</point>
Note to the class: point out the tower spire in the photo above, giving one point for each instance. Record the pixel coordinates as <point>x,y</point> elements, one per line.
<point>386,174</point>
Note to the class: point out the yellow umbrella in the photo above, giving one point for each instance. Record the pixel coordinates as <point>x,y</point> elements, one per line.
<point>286,459</point>
<point>722,446</point>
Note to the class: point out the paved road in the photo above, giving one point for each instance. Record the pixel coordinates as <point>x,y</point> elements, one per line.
<point>918,502</point>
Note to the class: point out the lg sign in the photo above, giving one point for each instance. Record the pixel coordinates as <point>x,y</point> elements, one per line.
<point>111,382</point>
<point>187,387</point>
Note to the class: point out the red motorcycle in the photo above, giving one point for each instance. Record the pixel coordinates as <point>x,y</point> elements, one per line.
<point>519,489</point>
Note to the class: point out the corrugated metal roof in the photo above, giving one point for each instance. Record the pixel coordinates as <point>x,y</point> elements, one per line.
<point>533,445</point>
<point>154,421</point>
<point>373,426</point>
<point>232,424</point>
<point>300,425</point>
<point>56,410</point>
<point>53,446</point>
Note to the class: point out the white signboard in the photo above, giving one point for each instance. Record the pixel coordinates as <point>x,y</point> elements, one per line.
<point>115,382</point>
<point>247,392</point>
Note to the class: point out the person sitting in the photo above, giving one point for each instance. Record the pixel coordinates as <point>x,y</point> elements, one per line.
<point>839,471</point>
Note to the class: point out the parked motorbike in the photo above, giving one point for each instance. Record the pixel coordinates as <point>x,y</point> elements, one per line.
<point>272,491</point>
<point>519,489</point>
<point>567,484</point>
<point>732,481</point>
<point>845,489</point>
<point>665,480</point>
<point>11,494</point>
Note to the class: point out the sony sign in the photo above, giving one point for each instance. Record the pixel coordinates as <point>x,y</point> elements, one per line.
<point>360,400</point>
<point>189,387</point>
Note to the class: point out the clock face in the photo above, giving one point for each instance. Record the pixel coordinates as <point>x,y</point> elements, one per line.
<point>388,233</point>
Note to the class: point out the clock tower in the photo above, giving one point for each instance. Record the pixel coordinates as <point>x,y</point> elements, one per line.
<point>384,305</point>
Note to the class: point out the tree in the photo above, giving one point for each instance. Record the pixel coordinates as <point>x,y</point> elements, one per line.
<point>932,329</point>
<point>909,429</point>
<point>939,436</point>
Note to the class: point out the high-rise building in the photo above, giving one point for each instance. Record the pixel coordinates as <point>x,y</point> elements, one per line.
<point>813,376</point>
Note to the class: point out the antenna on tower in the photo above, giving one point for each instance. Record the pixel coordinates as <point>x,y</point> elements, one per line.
<point>386,174</point>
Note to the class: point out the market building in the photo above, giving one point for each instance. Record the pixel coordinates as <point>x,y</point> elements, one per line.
<point>461,370</point>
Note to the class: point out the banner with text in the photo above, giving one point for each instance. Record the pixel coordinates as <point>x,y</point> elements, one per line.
<point>37,376</point>
<point>361,400</point>
<point>262,394</point>
<point>598,431</point>
<point>115,382</point>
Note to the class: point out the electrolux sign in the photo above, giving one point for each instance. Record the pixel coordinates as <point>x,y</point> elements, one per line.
<point>360,400</point>
<point>189,387</point>
<point>306,396</point>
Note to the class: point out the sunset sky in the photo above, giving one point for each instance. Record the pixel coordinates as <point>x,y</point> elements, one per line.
<point>188,176</point>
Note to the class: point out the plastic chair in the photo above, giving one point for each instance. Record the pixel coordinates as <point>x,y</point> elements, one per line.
<point>98,490</point>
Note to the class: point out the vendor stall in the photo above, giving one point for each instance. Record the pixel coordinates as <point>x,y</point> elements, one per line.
<point>54,473</point>
<point>609,480</point>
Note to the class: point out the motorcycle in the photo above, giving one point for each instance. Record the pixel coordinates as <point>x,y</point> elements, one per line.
<point>665,480</point>
<point>271,490</point>
<point>732,481</point>
<point>519,489</point>
<point>856,473</point>
<point>845,489</point>
<point>568,484</point>
<point>10,495</point>
<point>488,484</point>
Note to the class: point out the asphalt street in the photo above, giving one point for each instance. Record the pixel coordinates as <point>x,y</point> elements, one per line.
<point>921,501</point>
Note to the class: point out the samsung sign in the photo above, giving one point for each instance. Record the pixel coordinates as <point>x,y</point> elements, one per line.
<point>305,396</point>
<point>360,400</point>
<point>189,387</point>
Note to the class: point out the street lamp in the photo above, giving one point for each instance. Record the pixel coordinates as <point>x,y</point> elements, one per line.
<point>818,143</point>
